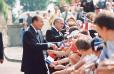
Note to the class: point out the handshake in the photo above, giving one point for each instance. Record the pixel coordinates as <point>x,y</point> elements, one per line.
<point>53,46</point>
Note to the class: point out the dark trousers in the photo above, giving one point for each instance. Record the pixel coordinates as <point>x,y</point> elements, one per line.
<point>30,73</point>
<point>35,73</point>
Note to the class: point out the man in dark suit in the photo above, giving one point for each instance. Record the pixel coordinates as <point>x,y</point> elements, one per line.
<point>55,34</point>
<point>1,49</point>
<point>33,46</point>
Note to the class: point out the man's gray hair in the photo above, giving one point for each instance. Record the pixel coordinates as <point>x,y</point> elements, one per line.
<point>57,18</point>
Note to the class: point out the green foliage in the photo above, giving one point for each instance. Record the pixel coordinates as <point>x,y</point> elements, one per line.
<point>68,1</point>
<point>58,2</point>
<point>5,12</point>
<point>31,5</point>
<point>1,5</point>
<point>10,2</point>
<point>3,8</point>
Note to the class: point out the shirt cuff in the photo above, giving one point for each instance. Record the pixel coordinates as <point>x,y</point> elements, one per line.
<point>49,45</point>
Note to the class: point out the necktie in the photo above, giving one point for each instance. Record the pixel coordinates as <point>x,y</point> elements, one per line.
<point>39,36</point>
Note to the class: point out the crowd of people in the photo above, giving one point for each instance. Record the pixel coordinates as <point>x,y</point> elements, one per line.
<point>78,40</point>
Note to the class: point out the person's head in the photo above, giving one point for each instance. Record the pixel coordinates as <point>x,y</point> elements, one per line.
<point>71,21</point>
<point>84,32</point>
<point>79,24</point>
<point>59,23</point>
<point>73,34</point>
<point>97,45</point>
<point>28,14</point>
<point>66,7</point>
<point>72,29</point>
<point>37,12</point>
<point>56,9</point>
<point>37,22</point>
<point>104,22</point>
<point>25,25</point>
<point>84,46</point>
<point>108,5</point>
<point>91,16</point>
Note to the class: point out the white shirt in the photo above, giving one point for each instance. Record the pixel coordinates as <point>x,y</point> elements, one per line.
<point>34,28</point>
<point>90,58</point>
<point>49,44</point>
<point>110,48</point>
<point>57,30</point>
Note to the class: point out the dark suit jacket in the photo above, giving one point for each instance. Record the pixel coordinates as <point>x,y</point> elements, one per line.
<point>53,36</point>
<point>1,47</point>
<point>33,58</point>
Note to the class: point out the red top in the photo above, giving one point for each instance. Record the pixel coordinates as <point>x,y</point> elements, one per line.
<point>74,48</point>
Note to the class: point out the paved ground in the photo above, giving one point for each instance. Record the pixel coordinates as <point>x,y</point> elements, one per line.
<point>9,67</point>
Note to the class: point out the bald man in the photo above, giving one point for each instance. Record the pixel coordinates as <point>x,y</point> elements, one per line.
<point>33,45</point>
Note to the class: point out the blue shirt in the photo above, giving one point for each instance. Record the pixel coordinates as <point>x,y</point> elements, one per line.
<point>107,51</point>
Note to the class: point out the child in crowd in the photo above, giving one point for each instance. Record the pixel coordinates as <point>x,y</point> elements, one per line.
<point>89,54</point>
<point>84,48</point>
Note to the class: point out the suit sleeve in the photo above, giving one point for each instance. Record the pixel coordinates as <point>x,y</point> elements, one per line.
<point>29,40</point>
<point>51,37</point>
<point>1,47</point>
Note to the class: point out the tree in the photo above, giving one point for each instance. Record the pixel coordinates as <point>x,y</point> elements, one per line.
<point>3,8</point>
<point>10,2</point>
<point>68,1</point>
<point>1,5</point>
<point>31,5</point>
<point>60,3</point>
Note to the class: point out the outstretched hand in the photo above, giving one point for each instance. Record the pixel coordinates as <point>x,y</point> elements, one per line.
<point>54,46</point>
